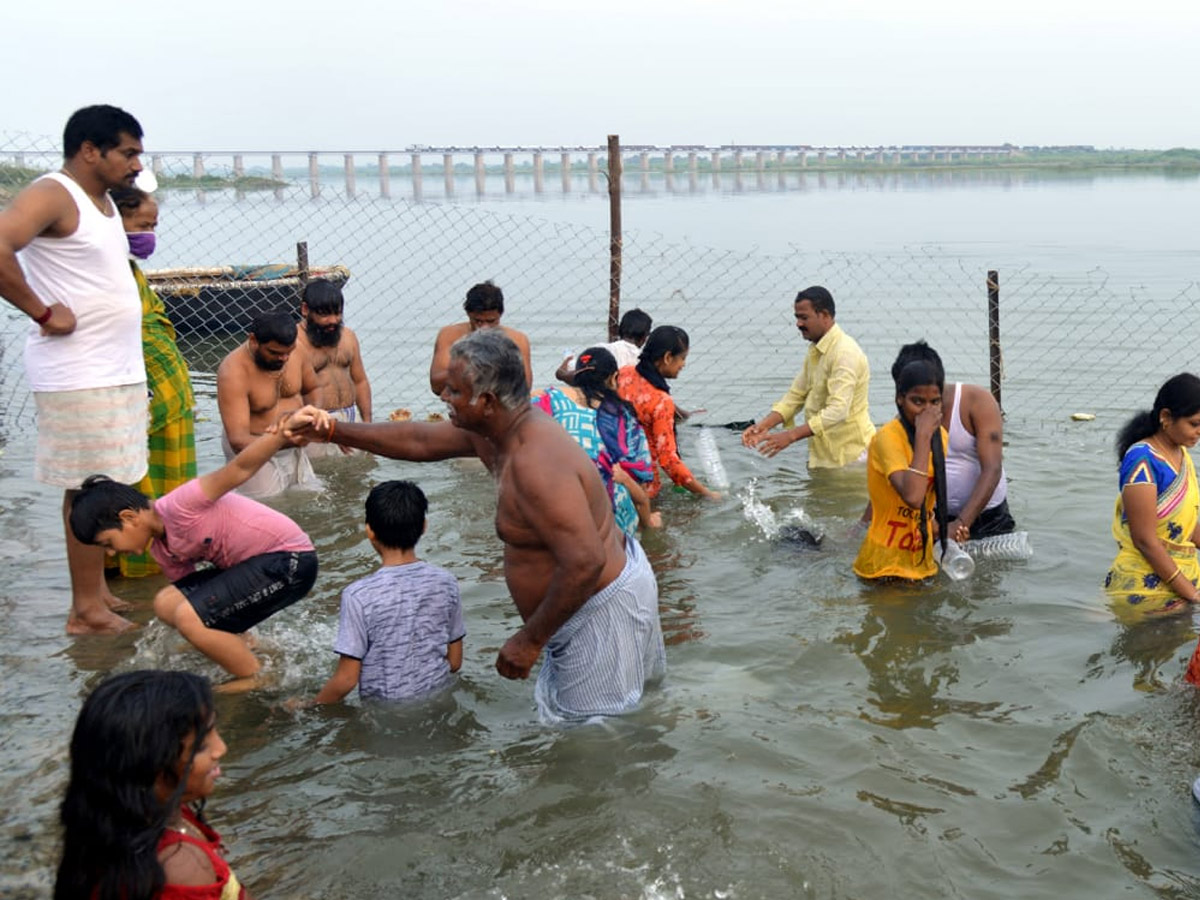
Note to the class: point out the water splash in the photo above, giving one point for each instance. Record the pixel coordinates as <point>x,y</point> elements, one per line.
<point>757,512</point>
<point>794,527</point>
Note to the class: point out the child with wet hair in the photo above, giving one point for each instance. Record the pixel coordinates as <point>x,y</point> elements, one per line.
<point>261,561</point>
<point>400,632</point>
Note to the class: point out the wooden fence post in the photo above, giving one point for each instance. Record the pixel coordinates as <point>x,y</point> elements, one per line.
<point>302,266</point>
<point>995,360</point>
<point>614,227</point>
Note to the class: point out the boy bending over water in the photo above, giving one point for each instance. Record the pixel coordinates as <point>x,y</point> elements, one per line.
<point>401,629</point>
<point>261,560</point>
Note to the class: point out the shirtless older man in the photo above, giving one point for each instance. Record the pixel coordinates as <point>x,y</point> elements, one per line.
<point>586,594</point>
<point>257,383</point>
<point>333,351</point>
<point>484,306</point>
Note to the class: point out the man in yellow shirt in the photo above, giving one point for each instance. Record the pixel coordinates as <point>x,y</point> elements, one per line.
<point>831,389</point>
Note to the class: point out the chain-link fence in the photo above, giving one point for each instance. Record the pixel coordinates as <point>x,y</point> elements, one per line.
<point>1068,343</point>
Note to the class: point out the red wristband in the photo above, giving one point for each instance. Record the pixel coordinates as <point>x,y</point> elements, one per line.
<point>45,317</point>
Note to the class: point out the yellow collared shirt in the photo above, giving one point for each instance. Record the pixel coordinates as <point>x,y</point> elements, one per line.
<point>832,391</point>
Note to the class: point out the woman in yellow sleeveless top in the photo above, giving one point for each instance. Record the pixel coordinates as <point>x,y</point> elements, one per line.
<point>171,426</point>
<point>906,481</point>
<point>1157,512</point>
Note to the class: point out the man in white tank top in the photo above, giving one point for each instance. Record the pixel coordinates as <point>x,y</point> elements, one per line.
<point>976,487</point>
<point>83,355</point>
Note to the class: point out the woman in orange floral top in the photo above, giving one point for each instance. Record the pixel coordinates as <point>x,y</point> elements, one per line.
<point>645,387</point>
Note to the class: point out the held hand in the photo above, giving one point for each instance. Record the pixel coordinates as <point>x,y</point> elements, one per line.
<point>517,656</point>
<point>655,519</point>
<point>61,321</point>
<point>957,531</point>
<point>306,424</point>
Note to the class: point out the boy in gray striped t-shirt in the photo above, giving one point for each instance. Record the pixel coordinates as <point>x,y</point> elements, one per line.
<point>401,630</point>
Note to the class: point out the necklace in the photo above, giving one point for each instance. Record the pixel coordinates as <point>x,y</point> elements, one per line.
<point>102,205</point>
<point>1158,444</point>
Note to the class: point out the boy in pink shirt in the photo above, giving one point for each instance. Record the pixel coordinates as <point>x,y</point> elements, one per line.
<point>261,561</point>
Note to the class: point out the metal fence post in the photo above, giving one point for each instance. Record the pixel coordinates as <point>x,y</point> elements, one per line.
<point>994,356</point>
<point>614,242</point>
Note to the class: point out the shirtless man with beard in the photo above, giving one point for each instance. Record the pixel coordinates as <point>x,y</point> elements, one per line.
<point>333,351</point>
<point>257,383</point>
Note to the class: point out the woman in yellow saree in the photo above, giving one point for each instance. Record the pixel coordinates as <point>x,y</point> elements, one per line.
<point>171,430</point>
<point>1157,512</point>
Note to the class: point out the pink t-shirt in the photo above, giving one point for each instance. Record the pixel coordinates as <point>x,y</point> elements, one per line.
<point>225,531</point>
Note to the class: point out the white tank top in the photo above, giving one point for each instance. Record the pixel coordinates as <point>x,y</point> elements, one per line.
<point>89,272</point>
<point>962,464</point>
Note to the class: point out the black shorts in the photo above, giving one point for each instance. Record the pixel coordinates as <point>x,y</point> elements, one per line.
<point>238,598</point>
<point>997,520</point>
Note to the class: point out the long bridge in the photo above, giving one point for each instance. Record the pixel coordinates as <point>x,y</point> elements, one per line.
<point>669,159</point>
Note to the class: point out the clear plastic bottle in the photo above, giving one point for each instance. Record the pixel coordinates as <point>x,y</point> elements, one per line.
<point>1012,547</point>
<point>955,562</point>
<point>710,459</point>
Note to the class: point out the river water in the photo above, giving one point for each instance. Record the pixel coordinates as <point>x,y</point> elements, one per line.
<point>815,737</point>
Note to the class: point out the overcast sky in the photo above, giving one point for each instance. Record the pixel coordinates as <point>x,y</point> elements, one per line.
<point>252,75</point>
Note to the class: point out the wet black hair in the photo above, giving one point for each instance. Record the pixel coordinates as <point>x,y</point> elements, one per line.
<point>128,741</point>
<point>1179,397</point>
<point>396,513</point>
<point>920,373</point>
<point>663,340</point>
<point>101,125</point>
<point>635,326</point>
<point>484,297</point>
<point>919,350</point>
<point>98,504</point>
<point>593,368</point>
<point>323,297</point>
<point>278,326</point>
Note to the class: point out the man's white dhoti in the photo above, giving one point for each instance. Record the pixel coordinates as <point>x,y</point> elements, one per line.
<point>599,662</point>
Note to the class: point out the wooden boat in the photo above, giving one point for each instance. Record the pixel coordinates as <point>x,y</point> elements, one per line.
<point>225,299</point>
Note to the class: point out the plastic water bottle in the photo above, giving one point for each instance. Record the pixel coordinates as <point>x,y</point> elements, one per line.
<point>955,562</point>
<point>1013,547</point>
<point>710,459</point>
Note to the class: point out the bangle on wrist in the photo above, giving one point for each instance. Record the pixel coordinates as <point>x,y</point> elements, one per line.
<point>332,426</point>
<point>44,317</point>
<point>923,473</point>
<point>1178,571</point>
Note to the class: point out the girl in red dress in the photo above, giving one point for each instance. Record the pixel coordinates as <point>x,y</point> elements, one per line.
<point>144,757</point>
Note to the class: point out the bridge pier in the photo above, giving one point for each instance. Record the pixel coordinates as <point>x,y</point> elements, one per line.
<point>510,183</point>
<point>351,183</point>
<point>385,176</point>
<point>314,176</point>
